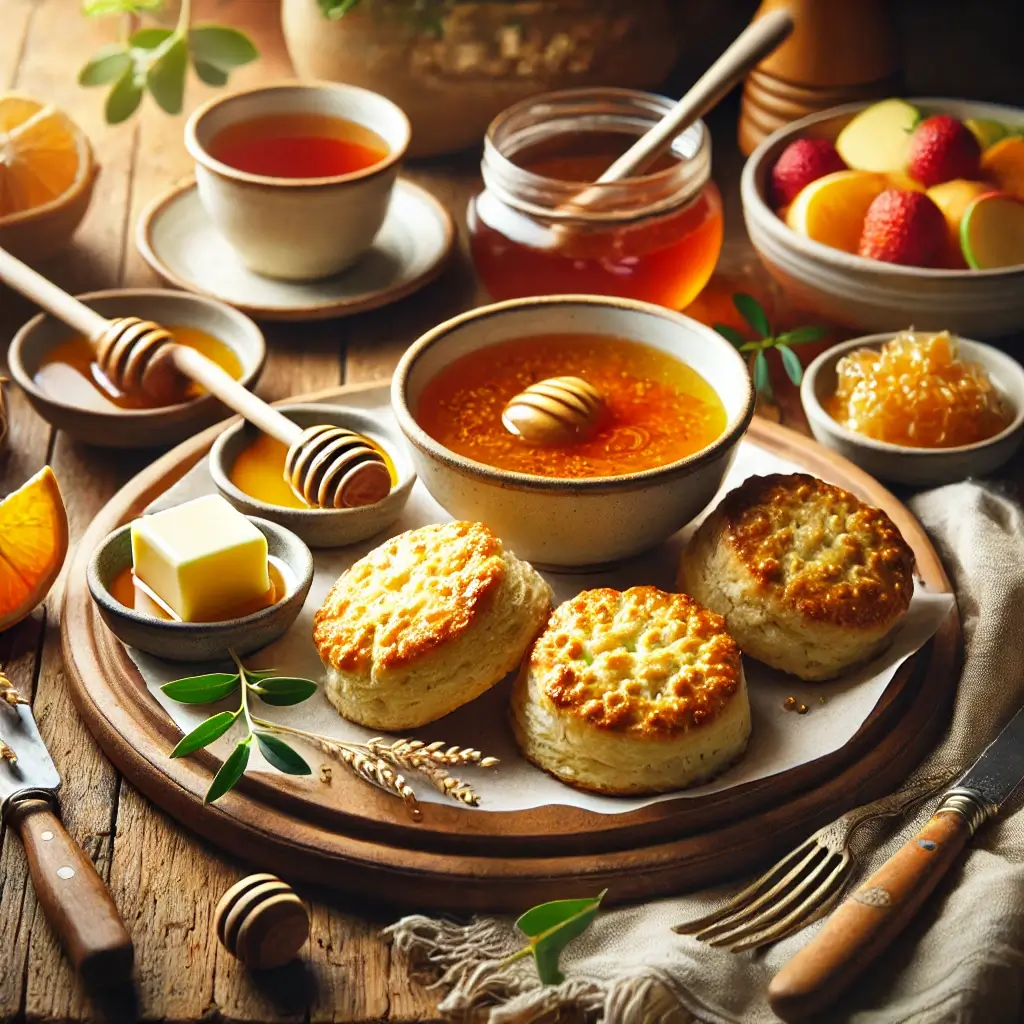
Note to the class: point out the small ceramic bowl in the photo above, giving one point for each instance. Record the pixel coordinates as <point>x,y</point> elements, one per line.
<point>866,294</point>
<point>575,523</point>
<point>902,464</point>
<point>320,527</point>
<point>200,641</point>
<point>108,426</point>
<point>297,228</point>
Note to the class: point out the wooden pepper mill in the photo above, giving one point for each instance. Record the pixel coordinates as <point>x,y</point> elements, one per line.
<point>840,51</point>
<point>261,921</point>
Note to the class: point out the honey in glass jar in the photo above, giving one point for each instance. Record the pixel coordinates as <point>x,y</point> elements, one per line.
<point>655,237</point>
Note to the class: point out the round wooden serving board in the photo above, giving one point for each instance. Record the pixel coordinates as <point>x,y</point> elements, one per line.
<point>351,837</point>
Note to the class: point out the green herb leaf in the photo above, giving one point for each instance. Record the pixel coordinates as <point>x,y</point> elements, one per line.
<point>203,735</point>
<point>230,771</point>
<point>762,376</point>
<point>209,74</point>
<point>335,9</point>
<point>103,8</point>
<point>791,364</point>
<point>802,335</point>
<point>254,675</point>
<point>551,927</point>
<point>106,66</point>
<point>150,39</point>
<point>124,98</point>
<point>283,691</point>
<point>730,333</point>
<point>166,77</point>
<point>202,689</point>
<point>281,756</point>
<point>220,47</point>
<point>751,311</point>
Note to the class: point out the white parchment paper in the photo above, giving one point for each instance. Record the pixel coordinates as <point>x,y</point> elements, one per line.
<point>781,739</point>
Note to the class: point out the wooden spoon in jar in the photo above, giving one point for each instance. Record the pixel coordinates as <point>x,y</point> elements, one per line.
<point>326,466</point>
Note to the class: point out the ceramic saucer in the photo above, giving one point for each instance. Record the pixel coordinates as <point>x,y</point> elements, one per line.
<point>180,243</point>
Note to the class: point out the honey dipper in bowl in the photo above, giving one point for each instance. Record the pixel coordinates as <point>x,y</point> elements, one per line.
<point>326,466</point>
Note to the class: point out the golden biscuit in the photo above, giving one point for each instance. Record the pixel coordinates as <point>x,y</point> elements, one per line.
<point>632,692</point>
<point>808,578</point>
<point>425,622</point>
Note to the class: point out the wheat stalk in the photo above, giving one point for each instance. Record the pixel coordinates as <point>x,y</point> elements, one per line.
<point>8,694</point>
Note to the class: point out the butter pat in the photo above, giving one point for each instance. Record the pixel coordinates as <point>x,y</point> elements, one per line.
<point>203,559</point>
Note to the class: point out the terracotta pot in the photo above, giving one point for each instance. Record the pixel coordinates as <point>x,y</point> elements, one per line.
<point>453,68</point>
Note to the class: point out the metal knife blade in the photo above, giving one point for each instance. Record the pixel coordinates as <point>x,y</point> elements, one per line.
<point>34,768</point>
<point>1000,769</point>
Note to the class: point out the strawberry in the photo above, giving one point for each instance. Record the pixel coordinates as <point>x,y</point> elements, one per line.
<point>802,162</point>
<point>941,148</point>
<point>903,227</point>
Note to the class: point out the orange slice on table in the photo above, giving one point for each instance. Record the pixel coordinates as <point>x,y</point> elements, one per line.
<point>33,545</point>
<point>831,210</point>
<point>46,175</point>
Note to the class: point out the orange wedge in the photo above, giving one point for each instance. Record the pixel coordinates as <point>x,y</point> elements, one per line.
<point>46,176</point>
<point>33,544</point>
<point>1003,164</point>
<point>831,210</point>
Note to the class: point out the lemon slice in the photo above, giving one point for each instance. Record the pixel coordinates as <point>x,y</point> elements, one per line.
<point>33,545</point>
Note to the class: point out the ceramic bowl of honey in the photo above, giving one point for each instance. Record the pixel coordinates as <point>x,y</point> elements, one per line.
<point>917,408</point>
<point>676,399</point>
<point>248,469</point>
<point>136,619</point>
<point>58,373</point>
<point>298,177</point>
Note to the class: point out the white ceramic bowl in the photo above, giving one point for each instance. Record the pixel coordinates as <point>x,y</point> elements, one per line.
<point>564,523</point>
<point>867,294</point>
<point>297,228</point>
<point>898,463</point>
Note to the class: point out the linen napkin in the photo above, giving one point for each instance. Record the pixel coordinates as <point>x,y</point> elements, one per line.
<point>961,960</point>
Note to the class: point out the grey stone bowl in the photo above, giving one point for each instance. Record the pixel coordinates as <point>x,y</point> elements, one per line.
<point>320,527</point>
<point>200,641</point>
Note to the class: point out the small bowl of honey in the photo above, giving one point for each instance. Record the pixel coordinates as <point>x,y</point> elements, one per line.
<point>918,408</point>
<point>297,177</point>
<point>137,616</point>
<point>58,373</point>
<point>649,407</point>
<point>248,468</point>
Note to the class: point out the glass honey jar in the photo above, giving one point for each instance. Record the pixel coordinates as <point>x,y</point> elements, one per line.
<point>655,237</point>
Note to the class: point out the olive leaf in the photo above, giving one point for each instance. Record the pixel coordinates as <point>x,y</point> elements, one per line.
<point>551,927</point>
<point>751,311</point>
<point>283,691</point>
<point>204,689</point>
<point>762,376</point>
<point>106,66</point>
<point>230,771</point>
<point>220,47</point>
<point>791,364</point>
<point>124,98</point>
<point>802,335</point>
<point>281,756</point>
<point>731,334</point>
<point>165,78</point>
<point>203,735</point>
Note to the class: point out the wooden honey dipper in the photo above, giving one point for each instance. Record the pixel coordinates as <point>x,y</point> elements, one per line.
<point>326,466</point>
<point>558,410</point>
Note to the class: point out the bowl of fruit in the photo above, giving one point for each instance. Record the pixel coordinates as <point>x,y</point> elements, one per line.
<point>904,212</point>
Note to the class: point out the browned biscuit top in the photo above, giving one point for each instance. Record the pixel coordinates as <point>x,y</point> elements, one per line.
<point>640,661</point>
<point>405,598</point>
<point>819,549</point>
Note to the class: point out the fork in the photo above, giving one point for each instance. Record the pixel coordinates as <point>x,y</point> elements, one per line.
<point>802,886</point>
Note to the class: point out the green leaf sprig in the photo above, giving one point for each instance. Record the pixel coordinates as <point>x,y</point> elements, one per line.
<point>271,688</point>
<point>157,59</point>
<point>753,313</point>
<point>550,928</point>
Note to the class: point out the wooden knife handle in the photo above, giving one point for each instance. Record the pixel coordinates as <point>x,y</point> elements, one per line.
<point>868,921</point>
<point>73,896</point>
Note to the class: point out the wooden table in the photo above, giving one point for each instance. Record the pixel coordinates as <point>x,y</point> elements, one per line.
<point>165,880</point>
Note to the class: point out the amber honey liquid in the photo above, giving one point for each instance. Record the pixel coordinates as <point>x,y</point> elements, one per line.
<point>258,471</point>
<point>659,410</point>
<point>298,146</point>
<point>131,592</point>
<point>69,372</point>
<point>665,258</point>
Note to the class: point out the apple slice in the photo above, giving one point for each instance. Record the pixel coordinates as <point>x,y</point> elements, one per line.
<point>992,232</point>
<point>876,139</point>
<point>986,132</point>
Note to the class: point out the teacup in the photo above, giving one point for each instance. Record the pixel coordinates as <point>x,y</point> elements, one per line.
<point>297,228</point>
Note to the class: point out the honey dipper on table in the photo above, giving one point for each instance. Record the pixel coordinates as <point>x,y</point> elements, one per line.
<point>326,466</point>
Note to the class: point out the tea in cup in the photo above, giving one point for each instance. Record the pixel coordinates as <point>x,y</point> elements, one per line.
<point>298,177</point>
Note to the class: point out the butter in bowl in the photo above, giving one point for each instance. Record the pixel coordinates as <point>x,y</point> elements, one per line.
<point>917,408</point>
<point>194,581</point>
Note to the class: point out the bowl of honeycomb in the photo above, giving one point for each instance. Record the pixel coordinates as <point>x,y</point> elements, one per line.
<point>917,407</point>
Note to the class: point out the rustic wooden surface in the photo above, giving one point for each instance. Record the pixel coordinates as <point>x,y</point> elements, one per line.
<point>165,880</point>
